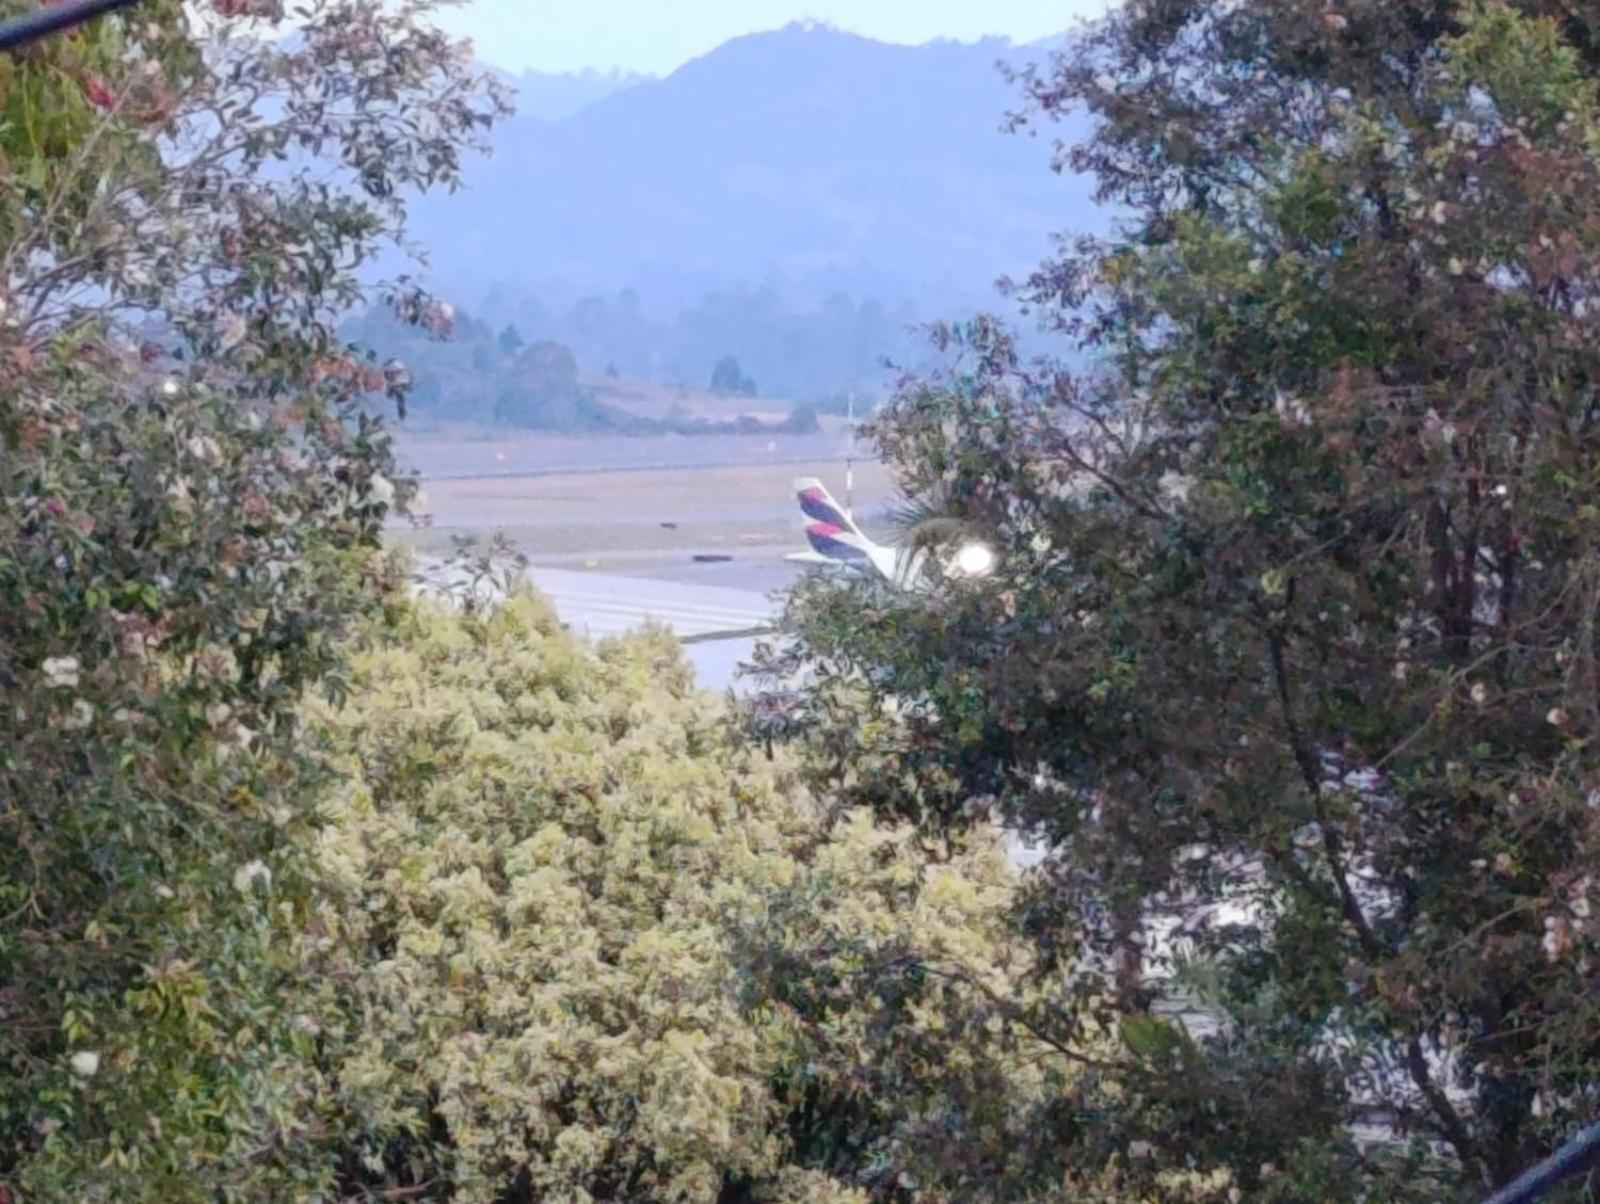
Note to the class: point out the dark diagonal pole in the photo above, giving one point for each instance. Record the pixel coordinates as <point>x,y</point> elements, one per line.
<point>1580,1154</point>
<point>53,18</point>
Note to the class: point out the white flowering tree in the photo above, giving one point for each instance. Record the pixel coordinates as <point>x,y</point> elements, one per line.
<point>575,943</point>
<point>191,493</point>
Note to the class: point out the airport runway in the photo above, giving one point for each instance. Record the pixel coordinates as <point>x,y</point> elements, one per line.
<point>596,605</point>
<point>601,604</point>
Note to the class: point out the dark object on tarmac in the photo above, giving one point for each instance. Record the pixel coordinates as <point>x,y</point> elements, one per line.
<point>670,526</point>
<point>711,558</point>
<point>43,22</point>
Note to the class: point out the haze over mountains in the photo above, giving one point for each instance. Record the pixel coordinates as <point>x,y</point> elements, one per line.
<point>807,160</point>
<point>555,97</point>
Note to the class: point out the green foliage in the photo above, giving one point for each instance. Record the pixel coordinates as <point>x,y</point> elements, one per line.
<point>1289,648</point>
<point>573,943</point>
<point>190,508</point>
<point>57,132</point>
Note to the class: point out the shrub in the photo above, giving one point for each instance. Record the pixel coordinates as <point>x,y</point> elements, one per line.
<point>581,945</point>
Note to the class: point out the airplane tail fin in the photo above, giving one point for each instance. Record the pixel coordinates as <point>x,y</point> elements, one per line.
<point>831,532</point>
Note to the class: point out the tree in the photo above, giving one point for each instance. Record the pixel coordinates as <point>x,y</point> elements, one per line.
<point>511,341</point>
<point>1289,646</point>
<point>802,420</point>
<point>576,943</point>
<point>729,380</point>
<point>191,498</point>
<point>543,392</point>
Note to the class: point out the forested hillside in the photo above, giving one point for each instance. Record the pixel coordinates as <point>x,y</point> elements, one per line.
<point>808,160</point>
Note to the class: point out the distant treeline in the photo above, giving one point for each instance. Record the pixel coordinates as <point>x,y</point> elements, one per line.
<point>485,373</point>
<point>815,355</point>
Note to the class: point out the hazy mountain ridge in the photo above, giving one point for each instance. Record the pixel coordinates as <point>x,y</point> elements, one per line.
<point>809,160</point>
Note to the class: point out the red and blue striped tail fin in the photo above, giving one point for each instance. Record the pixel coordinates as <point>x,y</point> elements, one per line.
<point>829,530</point>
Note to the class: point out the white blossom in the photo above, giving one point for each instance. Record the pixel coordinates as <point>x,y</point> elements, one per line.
<point>248,875</point>
<point>85,1063</point>
<point>1557,937</point>
<point>204,448</point>
<point>61,672</point>
<point>380,489</point>
<point>1291,411</point>
<point>79,718</point>
<point>230,331</point>
<point>1578,897</point>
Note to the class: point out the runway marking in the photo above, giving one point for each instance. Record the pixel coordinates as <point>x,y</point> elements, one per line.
<point>597,606</point>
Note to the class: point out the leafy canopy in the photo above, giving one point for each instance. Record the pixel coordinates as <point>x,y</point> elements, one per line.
<point>191,500</point>
<point>1289,658</point>
<point>572,942</point>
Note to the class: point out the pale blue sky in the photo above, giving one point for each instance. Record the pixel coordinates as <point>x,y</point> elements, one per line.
<point>656,36</point>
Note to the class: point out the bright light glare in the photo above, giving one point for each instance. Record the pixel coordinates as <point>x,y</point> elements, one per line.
<point>975,560</point>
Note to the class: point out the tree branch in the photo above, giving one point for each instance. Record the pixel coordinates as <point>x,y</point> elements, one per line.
<point>1449,1120</point>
